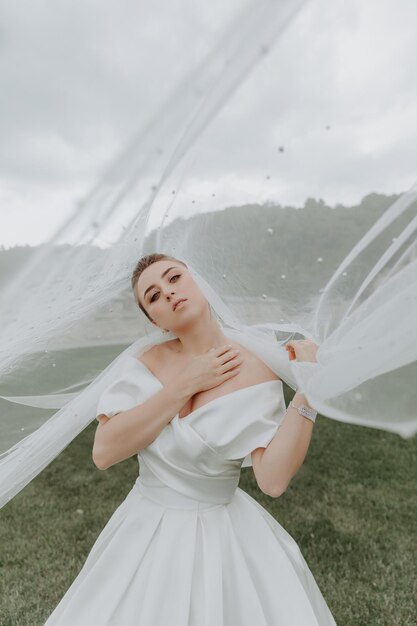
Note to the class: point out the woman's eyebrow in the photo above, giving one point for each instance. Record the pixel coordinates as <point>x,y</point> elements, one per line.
<point>162,275</point>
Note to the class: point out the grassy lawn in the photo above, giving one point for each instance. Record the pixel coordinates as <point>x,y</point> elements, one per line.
<point>352,508</point>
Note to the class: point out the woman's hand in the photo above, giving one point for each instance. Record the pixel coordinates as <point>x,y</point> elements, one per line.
<point>210,369</point>
<point>302,350</point>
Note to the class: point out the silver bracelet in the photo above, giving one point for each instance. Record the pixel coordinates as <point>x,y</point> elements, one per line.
<point>305,411</point>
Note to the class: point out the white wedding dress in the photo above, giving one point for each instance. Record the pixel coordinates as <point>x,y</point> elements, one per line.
<point>187,546</point>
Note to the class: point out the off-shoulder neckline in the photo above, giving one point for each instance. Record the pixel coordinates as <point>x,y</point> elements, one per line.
<point>210,402</point>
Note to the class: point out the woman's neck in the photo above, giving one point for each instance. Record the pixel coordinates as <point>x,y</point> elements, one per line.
<point>200,338</point>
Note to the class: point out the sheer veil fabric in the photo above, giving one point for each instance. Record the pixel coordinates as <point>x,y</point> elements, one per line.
<point>270,272</point>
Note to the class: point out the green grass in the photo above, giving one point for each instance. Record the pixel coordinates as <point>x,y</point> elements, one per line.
<point>352,508</point>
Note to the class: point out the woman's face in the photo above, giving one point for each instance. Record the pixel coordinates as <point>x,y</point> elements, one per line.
<point>163,283</point>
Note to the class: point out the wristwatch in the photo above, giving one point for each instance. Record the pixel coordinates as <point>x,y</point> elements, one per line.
<point>306,411</point>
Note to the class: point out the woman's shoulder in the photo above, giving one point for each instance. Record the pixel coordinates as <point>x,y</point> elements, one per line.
<point>255,369</point>
<point>154,357</point>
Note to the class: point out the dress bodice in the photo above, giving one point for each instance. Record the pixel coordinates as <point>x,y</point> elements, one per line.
<point>200,455</point>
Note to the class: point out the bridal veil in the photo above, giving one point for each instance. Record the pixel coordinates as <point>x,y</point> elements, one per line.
<point>211,178</point>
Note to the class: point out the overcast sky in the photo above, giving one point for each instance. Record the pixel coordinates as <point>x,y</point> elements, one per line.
<point>337,93</point>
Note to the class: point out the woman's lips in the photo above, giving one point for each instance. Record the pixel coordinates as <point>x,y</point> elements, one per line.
<point>179,303</point>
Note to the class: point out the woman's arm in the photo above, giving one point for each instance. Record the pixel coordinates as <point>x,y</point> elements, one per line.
<point>275,465</point>
<point>126,433</point>
<point>284,455</point>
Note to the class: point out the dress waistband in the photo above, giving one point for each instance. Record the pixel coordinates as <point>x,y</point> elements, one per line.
<point>154,489</point>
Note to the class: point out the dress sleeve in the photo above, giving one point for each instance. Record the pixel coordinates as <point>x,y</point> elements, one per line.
<point>131,387</point>
<point>258,422</point>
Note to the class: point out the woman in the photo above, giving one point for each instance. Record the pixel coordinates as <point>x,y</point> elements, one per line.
<point>187,546</point>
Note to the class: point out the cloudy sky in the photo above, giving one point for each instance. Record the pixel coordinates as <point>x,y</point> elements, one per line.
<point>328,111</point>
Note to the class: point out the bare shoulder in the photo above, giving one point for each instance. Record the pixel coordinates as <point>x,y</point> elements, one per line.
<point>157,354</point>
<point>256,370</point>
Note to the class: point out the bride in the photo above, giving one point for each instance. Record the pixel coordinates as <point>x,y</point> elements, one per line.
<point>187,546</point>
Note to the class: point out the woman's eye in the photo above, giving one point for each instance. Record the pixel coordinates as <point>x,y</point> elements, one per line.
<point>156,292</point>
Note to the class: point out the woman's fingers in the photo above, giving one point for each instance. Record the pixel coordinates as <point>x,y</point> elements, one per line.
<point>237,360</point>
<point>301,350</point>
<point>291,350</point>
<point>228,356</point>
<point>221,349</point>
